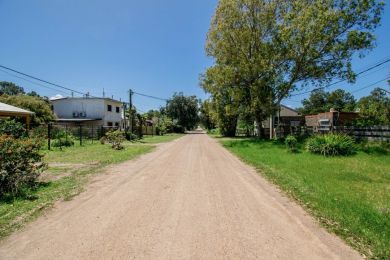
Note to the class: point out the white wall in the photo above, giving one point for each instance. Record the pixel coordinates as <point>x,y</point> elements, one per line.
<point>94,108</point>
<point>113,116</point>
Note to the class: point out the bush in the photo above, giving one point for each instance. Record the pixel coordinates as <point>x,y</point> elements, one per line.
<point>214,131</point>
<point>331,144</point>
<point>115,138</point>
<point>20,164</point>
<point>62,142</point>
<point>291,143</point>
<point>131,136</point>
<point>12,127</point>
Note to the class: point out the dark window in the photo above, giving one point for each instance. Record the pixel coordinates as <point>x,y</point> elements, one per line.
<point>109,108</point>
<point>109,123</point>
<point>118,109</point>
<point>116,124</point>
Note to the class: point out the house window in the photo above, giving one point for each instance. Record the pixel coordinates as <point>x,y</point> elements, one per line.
<point>118,109</point>
<point>109,124</point>
<point>109,108</point>
<point>117,124</point>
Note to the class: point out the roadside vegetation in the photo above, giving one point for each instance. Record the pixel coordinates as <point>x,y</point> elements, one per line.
<point>349,195</point>
<point>69,170</point>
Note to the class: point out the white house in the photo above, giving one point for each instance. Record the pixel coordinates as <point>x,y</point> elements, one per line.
<point>105,112</point>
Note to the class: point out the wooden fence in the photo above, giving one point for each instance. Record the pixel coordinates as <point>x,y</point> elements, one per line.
<point>375,133</point>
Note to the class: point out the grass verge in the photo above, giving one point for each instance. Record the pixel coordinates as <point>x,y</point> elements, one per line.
<point>350,196</point>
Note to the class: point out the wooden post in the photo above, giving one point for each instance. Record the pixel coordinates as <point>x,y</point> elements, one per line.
<point>48,136</point>
<point>80,135</point>
<point>28,120</point>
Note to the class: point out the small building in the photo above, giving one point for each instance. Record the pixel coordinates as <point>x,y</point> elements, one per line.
<point>102,112</point>
<point>323,122</point>
<point>285,117</point>
<point>8,111</point>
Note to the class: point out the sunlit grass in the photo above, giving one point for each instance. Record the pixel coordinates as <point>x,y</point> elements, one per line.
<point>349,195</point>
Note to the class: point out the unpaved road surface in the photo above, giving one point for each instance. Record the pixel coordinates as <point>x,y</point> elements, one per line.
<point>190,199</point>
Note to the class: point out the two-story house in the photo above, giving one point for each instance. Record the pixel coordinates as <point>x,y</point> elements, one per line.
<point>104,112</point>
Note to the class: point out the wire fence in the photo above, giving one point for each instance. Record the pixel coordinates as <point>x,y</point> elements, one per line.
<point>59,135</point>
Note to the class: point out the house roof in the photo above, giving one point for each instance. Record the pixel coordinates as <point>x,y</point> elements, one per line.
<point>289,108</point>
<point>8,109</point>
<point>85,98</point>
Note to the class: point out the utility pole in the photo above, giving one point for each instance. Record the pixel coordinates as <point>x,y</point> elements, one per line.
<point>131,111</point>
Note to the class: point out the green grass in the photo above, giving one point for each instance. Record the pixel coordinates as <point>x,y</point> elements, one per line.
<point>16,212</point>
<point>95,154</point>
<point>348,195</point>
<point>159,138</point>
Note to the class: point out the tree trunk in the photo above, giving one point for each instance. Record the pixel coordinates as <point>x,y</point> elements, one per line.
<point>259,127</point>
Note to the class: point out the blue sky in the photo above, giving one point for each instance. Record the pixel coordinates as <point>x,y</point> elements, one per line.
<point>155,47</point>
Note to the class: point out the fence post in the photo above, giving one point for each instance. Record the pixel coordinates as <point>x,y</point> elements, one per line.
<point>48,136</point>
<point>81,136</point>
<point>66,133</point>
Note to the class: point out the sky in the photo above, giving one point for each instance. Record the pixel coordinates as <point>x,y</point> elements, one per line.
<point>155,47</point>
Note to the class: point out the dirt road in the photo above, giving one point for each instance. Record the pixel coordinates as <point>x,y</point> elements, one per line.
<point>190,199</point>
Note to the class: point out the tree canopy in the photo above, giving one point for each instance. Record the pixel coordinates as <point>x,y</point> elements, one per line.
<point>321,101</point>
<point>264,50</point>
<point>375,108</point>
<point>183,110</point>
<point>9,88</point>
<point>39,106</point>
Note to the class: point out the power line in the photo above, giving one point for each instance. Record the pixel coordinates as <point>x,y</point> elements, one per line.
<point>42,80</point>
<point>357,90</point>
<point>150,96</point>
<point>340,81</point>
<point>32,82</point>
<point>370,85</point>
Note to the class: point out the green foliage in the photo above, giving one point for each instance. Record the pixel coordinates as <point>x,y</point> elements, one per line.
<point>115,138</point>
<point>129,136</point>
<point>263,49</point>
<point>321,101</point>
<point>206,116</point>
<point>62,142</point>
<point>62,138</point>
<point>331,144</point>
<point>374,109</point>
<point>215,131</point>
<point>12,127</point>
<point>20,164</point>
<point>11,89</point>
<point>39,106</point>
<point>291,143</point>
<point>183,110</point>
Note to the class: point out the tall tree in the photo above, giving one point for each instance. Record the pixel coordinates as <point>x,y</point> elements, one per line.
<point>10,89</point>
<point>271,48</point>
<point>183,110</point>
<point>375,108</point>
